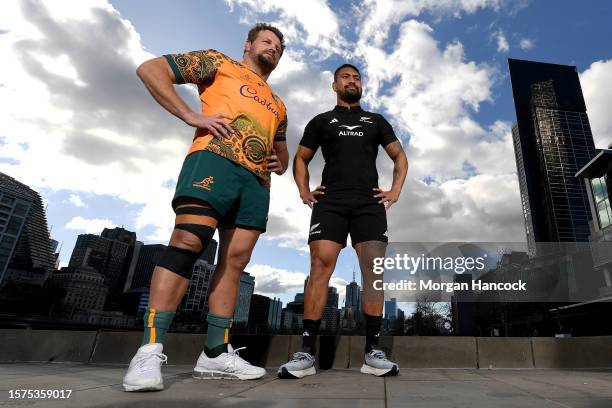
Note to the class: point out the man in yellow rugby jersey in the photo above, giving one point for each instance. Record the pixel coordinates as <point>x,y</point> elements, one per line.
<point>224,183</point>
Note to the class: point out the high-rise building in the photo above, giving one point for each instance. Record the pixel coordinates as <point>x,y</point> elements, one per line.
<point>196,297</point>
<point>209,252</point>
<point>24,236</point>
<point>84,286</point>
<point>119,234</point>
<point>294,313</point>
<point>331,314</point>
<point>243,303</point>
<point>265,313</point>
<point>141,271</point>
<point>107,256</point>
<point>391,309</point>
<point>353,298</point>
<point>597,176</point>
<point>552,141</point>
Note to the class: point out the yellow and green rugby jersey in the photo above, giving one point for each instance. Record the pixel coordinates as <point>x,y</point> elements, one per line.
<point>230,87</point>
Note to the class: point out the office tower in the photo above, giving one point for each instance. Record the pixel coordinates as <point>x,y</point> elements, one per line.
<point>141,271</point>
<point>107,256</point>
<point>353,296</point>
<point>25,244</point>
<point>119,234</point>
<point>597,177</point>
<point>264,314</point>
<point>209,252</point>
<point>84,286</point>
<point>243,304</point>
<point>196,297</point>
<point>331,314</point>
<point>391,309</point>
<point>552,141</point>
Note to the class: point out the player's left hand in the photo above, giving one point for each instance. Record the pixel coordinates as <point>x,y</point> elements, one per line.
<point>274,164</point>
<point>387,198</point>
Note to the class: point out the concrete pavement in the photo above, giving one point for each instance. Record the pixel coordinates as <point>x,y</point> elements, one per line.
<point>97,385</point>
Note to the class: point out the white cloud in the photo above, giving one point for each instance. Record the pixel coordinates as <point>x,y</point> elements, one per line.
<point>272,281</point>
<point>313,24</point>
<point>104,132</point>
<point>429,91</point>
<point>90,226</point>
<point>502,42</point>
<point>527,44</point>
<point>91,115</point>
<point>76,200</point>
<point>596,84</point>
<point>378,16</point>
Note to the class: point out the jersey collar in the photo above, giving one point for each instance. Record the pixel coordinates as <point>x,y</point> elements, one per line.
<point>343,109</point>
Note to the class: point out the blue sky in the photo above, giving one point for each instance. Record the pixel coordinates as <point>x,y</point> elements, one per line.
<point>82,130</point>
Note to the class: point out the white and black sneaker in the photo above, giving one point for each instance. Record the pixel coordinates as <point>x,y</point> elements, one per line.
<point>144,373</point>
<point>227,365</point>
<point>376,363</point>
<point>300,365</point>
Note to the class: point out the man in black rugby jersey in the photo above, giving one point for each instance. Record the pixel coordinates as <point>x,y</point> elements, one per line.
<point>348,201</point>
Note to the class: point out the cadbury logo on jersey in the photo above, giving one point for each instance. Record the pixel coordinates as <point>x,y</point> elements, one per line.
<point>350,131</point>
<point>251,93</point>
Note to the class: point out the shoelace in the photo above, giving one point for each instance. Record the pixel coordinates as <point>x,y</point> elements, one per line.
<point>236,356</point>
<point>299,356</point>
<point>379,354</point>
<point>144,362</point>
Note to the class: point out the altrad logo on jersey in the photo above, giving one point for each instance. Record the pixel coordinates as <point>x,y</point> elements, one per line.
<point>350,131</point>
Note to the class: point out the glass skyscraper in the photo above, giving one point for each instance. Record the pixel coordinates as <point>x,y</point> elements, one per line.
<point>24,236</point>
<point>552,141</point>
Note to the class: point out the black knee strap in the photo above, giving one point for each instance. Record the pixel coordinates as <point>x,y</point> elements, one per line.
<point>179,260</point>
<point>203,232</point>
<point>192,210</point>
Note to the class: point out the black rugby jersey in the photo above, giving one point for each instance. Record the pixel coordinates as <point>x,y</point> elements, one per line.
<point>349,140</point>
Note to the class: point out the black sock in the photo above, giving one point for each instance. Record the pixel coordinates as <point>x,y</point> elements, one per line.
<point>215,351</point>
<point>372,331</point>
<point>309,337</point>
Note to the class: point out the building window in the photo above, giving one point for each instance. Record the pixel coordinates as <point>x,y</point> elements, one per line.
<point>602,201</point>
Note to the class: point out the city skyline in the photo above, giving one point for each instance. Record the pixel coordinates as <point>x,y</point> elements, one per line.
<point>457,130</point>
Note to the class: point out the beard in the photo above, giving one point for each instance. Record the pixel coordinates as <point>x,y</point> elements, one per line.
<point>351,95</point>
<point>266,61</point>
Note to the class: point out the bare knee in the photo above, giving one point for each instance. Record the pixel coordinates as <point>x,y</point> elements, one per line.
<point>321,268</point>
<point>238,259</point>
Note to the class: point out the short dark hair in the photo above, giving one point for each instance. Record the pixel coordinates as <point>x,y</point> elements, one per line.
<point>345,66</point>
<point>253,32</point>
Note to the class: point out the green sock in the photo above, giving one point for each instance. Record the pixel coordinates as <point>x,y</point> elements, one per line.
<point>156,323</point>
<point>218,335</point>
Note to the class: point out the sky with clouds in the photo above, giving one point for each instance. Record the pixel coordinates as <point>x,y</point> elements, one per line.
<point>78,126</point>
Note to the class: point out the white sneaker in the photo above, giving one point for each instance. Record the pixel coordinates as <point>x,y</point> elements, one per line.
<point>144,373</point>
<point>226,366</point>
<point>377,363</point>
<point>300,365</point>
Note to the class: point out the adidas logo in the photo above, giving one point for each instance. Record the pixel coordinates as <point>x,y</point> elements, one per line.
<point>385,234</point>
<point>366,119</point>
<point>305,334</point>
<point>334,120</point>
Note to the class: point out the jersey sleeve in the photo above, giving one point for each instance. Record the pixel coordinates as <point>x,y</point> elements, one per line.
<point>386,134</point>
<point>310,139</point>
<point>281,130</point>
<point>194,67</point>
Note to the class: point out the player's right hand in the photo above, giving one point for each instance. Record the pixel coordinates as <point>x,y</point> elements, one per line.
<point>216,124</point>
<point>310,197</point>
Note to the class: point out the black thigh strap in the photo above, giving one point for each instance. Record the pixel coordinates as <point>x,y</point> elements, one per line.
<point>193,210</point>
